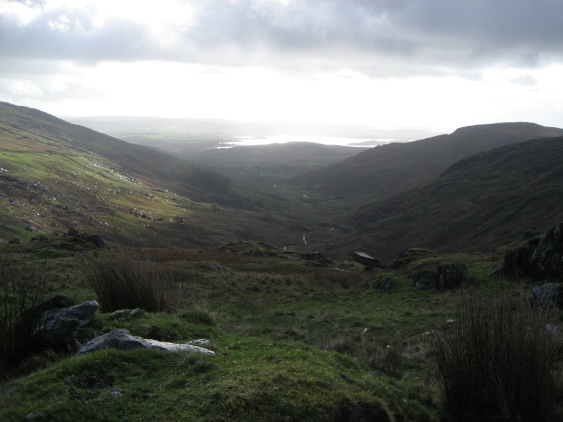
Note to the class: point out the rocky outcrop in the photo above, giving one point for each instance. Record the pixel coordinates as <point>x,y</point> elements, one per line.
<point>548,295</point>
<point>423,278</point>
<point>446,276</point>
<point>59,301</point>
<point>315,259</point>
<point>383,286</point>
<point>58,327</point>
<point>364,258</point>
<point>538,259</point>
<point>311,256</point>
<point>380,284</point>
<point>450,276</point>
<point>409,256</point>
<point>121,339</point>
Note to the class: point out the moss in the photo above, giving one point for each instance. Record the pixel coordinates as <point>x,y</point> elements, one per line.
<point>249,379</point>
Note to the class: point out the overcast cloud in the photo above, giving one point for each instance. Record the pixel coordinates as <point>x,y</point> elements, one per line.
<point>400,39</point>
<point>450,33</point>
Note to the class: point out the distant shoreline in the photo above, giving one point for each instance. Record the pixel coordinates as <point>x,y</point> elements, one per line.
<point>324,140</point>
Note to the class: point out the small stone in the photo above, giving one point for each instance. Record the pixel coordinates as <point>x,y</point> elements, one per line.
<point>136,313</point>
<point>120,314</point>
<point>199,342</point>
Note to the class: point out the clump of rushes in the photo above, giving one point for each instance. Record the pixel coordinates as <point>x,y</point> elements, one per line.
<point>498,360</point>
<point>123,279</point>
<point>22,286</point>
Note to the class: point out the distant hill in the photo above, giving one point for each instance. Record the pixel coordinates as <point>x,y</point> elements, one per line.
<point>55,175</point>
<point>383,171</point>
<point>434,193</point>
<point>191,135</point>
<point>505,194</point>
<point>276,161</point>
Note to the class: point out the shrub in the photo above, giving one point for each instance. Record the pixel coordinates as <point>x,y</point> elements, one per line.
<point>125,280</point>
<point>390,359</point>
<point>498,361</point>
<point>22,286</point>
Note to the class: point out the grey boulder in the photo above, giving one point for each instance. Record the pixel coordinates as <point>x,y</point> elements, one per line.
<point>60,326</point>
<point>121,339</point>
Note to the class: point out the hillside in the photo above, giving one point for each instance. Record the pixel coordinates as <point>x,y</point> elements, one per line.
<point>277,161</point>
<point>286,334</point>
<point>196,181</point>
<point>55,176</point>
<point>477,204</point>
<point>383,171</point>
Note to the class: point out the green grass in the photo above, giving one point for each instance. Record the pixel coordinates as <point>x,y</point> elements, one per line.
<point>292,343</point>
<point>248,379</point>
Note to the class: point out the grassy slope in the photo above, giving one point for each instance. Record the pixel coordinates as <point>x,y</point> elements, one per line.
<point>250,380</point>
<point>51,180</point>
<point>281,354</point>
<point>292,342</point>
<point>196,181</point>
<point>477,204</point>
<point>381,172</point>
<point>50,188</point>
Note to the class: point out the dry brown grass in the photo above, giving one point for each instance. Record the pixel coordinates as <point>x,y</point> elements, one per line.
<point>124,279</point>
<point>499,361</point>
<point>22,286</point>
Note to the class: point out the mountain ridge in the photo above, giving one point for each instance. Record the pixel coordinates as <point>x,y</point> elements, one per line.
<point>477,204</point>
<point>385,170</point>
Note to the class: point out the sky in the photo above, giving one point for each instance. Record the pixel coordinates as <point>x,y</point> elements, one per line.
<point>433,64</point>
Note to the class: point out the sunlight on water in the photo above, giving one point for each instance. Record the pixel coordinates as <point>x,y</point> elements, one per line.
<point>325,140</point>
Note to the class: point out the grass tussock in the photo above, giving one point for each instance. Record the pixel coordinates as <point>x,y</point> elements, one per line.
<point>22,286</point>
<point>123,279</point>
<point>344,280</point>
<point>498,361</point>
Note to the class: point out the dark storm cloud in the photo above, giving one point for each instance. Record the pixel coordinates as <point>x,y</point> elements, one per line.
<point>457,34</point>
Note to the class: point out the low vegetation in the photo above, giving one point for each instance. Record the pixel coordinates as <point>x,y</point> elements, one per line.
<point>296,336</point>
<point>292,342</point>
<point>22,286</point>
<point>124,279</point>
<point>499,359</point>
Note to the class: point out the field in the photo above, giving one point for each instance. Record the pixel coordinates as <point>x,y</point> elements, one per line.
<point>294,340</point>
